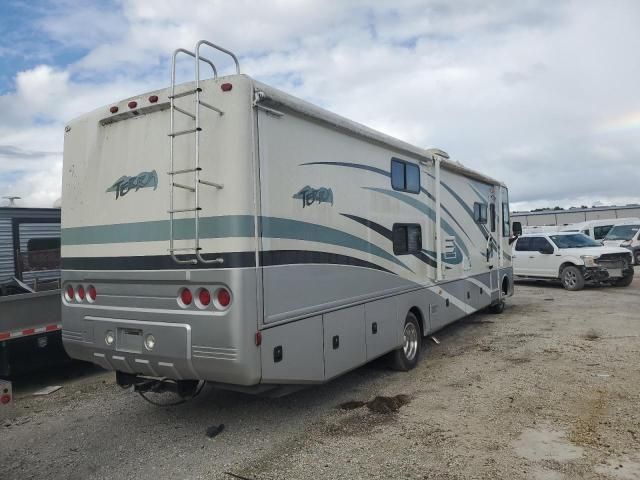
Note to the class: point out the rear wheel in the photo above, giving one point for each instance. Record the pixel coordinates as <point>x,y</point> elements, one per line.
<point>572,278</point>
<point>406,357</point>
<point>497,307</point>
<point>624,281</point>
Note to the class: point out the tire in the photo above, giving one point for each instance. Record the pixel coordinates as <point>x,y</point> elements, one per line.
<point>624,281</point>
<point>497,308</point>
<point>406,357</point>
<point>637,257</point>
<point>572,278</point>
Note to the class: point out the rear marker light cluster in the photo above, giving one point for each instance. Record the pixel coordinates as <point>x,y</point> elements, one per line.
<point>80,294</point>
<point>204,298</point>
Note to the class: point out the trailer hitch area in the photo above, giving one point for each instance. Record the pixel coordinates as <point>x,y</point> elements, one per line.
<point>184,388</point>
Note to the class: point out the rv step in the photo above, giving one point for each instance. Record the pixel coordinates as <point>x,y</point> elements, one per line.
<point>189,114</point>
<point>186,187</point>
<point>208,105</point>
<point>184,132</point>
<point>212,184</point>
<point>186,170</point>
<point>181,210</point>
<point>185,94</point>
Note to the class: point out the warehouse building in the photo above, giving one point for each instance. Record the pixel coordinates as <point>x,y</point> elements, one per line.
<point>573,215</point>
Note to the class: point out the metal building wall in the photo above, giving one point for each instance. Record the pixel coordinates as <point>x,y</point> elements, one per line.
<point>6,250</point>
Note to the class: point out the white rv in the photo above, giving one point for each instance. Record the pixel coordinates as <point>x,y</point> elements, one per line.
<point>626,234</point>
<point>596,229</point>
<point>225,231</point>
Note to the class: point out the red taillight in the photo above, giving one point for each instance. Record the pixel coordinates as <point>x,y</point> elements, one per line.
<point>70,293</point>
<point>204,297</point>
<point>80,292</point>
<point>224,297</point>
<point>186,297</point>
<point>258,339</point>
<point>113,109</point>
<point>91,293</point>
<point>153,98</point>
<point>132,104</point>
<point>226,87</point>
<point>4,399</point>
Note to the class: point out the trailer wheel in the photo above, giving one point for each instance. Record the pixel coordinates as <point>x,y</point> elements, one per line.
<point>572,278</point>
<point>406,357</point>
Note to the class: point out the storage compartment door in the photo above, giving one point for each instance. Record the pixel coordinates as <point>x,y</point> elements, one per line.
<point>344,341</point>
<point>382,327</point>
<point>292,353</point>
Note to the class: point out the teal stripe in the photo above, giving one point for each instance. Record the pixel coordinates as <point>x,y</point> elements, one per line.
<point>427,211</point>
<point>221,227</point>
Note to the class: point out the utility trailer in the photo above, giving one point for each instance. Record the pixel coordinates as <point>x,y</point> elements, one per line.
<point>224,231</point>
<point>30,324</point>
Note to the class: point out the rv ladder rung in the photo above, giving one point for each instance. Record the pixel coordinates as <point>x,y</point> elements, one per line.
<point>208,105</point>
<point>189,114</point>
<point>186,170</point>
<point>186,187</point>
<point>184,132</point>
<point>180,210</point>
<point>184,249</point>
<point>213,184</point>
<point>184,94</point>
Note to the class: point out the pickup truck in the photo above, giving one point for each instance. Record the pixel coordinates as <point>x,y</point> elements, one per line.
<point>572,258</point>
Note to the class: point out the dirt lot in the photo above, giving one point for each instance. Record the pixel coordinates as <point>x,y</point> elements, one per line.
<point>550,389</point>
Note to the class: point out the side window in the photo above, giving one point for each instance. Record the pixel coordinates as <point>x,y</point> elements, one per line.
<point>480,212</point>
<point>505,220</point>
<point>586,232</point>
<point>405,176</point>
<point>600,232</point>
<point>538,243</point>
<point>407,238</point>
<point>492,215</point>
<point>522,244</point>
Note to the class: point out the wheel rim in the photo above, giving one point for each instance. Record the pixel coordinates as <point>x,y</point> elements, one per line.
<point>410,341</point>
<point>570,278</point>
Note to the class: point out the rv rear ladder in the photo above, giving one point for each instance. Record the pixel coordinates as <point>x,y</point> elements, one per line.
<point>196,169</point>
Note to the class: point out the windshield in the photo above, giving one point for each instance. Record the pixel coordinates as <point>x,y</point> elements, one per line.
<point>622,232</point>
<point>577,240</point>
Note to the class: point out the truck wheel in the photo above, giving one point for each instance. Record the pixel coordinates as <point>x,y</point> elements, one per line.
<point>497,307</point>
<point>572,278</point>
<point>638,257</point>
<point>405,358</point>
<point>624,281</point>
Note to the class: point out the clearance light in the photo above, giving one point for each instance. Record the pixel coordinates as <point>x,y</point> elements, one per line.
<point>113,109</point>
<point>226,87</point>
<point>204,297</point>
<point>132,104</point>
<point>185,297</point>
<point>91,293</point>
<point>153,98</point>
<point>223,298</point>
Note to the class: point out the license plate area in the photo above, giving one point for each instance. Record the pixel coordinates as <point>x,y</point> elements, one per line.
<point>615,272</point>
<point>129,340</point>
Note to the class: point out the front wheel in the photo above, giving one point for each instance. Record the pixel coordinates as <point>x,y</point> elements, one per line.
<point>624,281</point>
<point>572,278</point>
<point>637,256</point>
<point>406,357</point>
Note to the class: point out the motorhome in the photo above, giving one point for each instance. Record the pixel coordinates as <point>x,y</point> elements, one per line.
<point>596,229</point>
<point>30,325</point>
<point>222,230</point>
<point>626,234</point>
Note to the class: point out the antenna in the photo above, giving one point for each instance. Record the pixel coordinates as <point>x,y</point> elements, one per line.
<point>12,200</point>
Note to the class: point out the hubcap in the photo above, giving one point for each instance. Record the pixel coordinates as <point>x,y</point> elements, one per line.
<point>410,341</point>
<point>570,278</point>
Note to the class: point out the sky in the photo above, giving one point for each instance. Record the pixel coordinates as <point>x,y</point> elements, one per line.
<point>544,96</point>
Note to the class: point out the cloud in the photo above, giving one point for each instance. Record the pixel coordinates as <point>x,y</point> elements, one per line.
<point>529,92</point>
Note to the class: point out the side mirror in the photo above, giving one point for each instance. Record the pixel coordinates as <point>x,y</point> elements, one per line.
<point>546,250</point>
<point>517,229</point>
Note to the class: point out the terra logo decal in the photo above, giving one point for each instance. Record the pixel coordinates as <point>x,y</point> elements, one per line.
<point>125,184</point>
<point>310,195</point>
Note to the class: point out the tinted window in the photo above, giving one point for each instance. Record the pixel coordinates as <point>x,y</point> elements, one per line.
<point>600,232</point>
<point>522,244</point>
<point>407,239</point>
<point>574,240</point>
<point>505,220</point>
<point>538,243</point>
<point>480,212</point>
<point>405,176</point>
<point>492,215</point>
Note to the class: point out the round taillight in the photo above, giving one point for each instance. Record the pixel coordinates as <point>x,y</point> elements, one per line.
<point>153,98</point>
<point>69,293</point>
<point>132,104</point>
<point>80,293</point>
<point>113,109</point>
<point>226,87</point>
<point>4,399</point>
<point>92,293</point>
<point>204,297</point>
<point>186,297</point>
<point>224,297</point>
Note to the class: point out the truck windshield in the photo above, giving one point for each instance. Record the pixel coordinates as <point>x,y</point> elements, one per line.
<point>622,232</point>
<point>577,240</point>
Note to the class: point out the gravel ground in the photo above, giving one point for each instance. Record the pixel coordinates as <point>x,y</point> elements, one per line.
<point>547,390</point>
